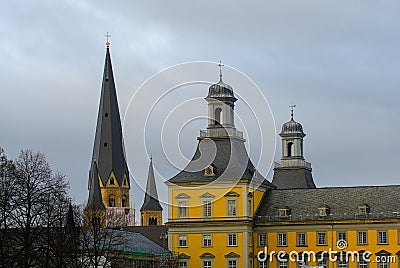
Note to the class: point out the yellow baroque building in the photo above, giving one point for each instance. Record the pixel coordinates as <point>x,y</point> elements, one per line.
<point>223,213</point>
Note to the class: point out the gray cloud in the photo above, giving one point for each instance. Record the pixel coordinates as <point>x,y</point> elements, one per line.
<point>337,60</point>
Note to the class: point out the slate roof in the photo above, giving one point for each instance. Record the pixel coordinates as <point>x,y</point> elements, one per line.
<point>153,232</point>
<point>108,149</point>
<point>343,203</point>
<point>151,197</point>
<point>293,178</point>
<point>137,242</point>
<point>229,158</point>
<point>95,201</point>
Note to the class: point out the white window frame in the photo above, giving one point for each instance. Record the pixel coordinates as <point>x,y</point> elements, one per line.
<point>182,209</point>
<point>282,239</point>
<point>232,240</point>
<point>183,264</point>
<point>206,266</point>
<point>206,238</point>
<point>283,264</point>
<point>262,240</point>
<point>182,238</point>
<point>362,237</point>
<point>207,208</point>
<point>319,239</point>
<point>301,239</point>
<point>232,207</point>
<point>383,238</point>
<point>342,236</point>
<point>229,265</point>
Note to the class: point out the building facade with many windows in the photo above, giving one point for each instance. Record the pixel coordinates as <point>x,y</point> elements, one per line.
<point>223,213</point>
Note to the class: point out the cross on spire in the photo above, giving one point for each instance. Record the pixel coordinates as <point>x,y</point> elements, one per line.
<point>220,70</point>
<point>107,36</point>
<point>292,106</point>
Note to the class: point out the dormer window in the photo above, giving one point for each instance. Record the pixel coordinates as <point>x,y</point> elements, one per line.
<point>363,209</point>
<point>112,181</point>
<point>209,171</point>
<point>283,212</point>
<point>323,211</point>
<point>125,182</point>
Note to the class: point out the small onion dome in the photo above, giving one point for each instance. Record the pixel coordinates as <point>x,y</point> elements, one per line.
<point>292,127</point>
<point>220,90</point>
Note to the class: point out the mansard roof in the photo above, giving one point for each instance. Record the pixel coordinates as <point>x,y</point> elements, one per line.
<point>343,203</point>
<point>229,158</point>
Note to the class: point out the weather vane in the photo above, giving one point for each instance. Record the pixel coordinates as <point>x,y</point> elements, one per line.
<point>107,36</point>
<point>220,69</point>
<point>292,106</point>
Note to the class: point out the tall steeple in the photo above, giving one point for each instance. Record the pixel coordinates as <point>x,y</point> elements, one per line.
<point>108,158</point>
<point>293,171</point>
<point>95,202</point>
<point>151,210</point>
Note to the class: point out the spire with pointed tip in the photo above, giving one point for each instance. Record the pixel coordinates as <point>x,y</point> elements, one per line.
<point>151,197</point>
<point>95,201</point>
<point>70,216</point>
<point>108,149</point>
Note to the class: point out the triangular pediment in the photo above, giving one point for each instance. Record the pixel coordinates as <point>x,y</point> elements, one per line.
<point>232,255</point>
<point>207,195</point>
<point>207,255</point>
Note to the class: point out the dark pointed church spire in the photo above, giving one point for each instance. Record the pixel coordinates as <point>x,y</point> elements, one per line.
<point>95,201</point>
<point>70,216</point>
<point>151,197</point>
<point>108,150</point>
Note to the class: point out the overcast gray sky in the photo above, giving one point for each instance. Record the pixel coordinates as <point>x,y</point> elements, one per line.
<point>337,60</point>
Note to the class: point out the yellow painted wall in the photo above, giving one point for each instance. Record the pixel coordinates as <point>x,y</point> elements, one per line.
<point>372,241</point>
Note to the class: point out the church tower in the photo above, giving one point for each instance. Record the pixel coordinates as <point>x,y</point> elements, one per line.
<point>108,158</point>
<point>293,171</point>
<point>151,210</point>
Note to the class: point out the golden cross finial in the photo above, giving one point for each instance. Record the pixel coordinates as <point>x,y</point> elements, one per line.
<point>292,106</point>
<point>107,36</point>
<point>220,69</point>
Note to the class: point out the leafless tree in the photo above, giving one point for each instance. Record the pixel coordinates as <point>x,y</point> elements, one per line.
<point>98,240</point>
<point>8,192</point>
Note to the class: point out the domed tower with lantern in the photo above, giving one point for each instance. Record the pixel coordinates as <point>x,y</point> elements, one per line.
<point>293,171</point>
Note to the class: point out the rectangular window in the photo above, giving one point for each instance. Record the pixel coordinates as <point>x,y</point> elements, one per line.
<point>232,264</point>
<point>321,238</point>
<point>283,212</point>
<point>382,237</point>
<point>207,240</point>
<point>207,264</point>
<point>301,239</point>
<point>232,208</point>
<point>282,239</point>
<point>183,264</point>
<point>342,263</point>
<point>342,236</point>
<point>232,240</point>
<point>182,209</point>
<point>323,263</point>
<point>207,209</point>
<point>262,264</point>
<point>262,240</point>
<point>182,241</point>
<point>362,263</point>
<point>362,238</point>
<point>283,264</point>
<point>383,264</point>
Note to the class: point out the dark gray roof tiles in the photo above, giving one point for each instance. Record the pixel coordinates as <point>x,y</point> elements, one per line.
<point>95,201</point>
<point>343,203</point>
<point>229,159</point>
<point>293,178</point>
<point>108,148</point>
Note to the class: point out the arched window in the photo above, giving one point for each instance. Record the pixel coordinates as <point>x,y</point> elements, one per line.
<point>217,116</point>
<point>112,181</point>
<point>152,221</point>
<point>111,201</point>
<point>290,149</point>
<point>123,201</point>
